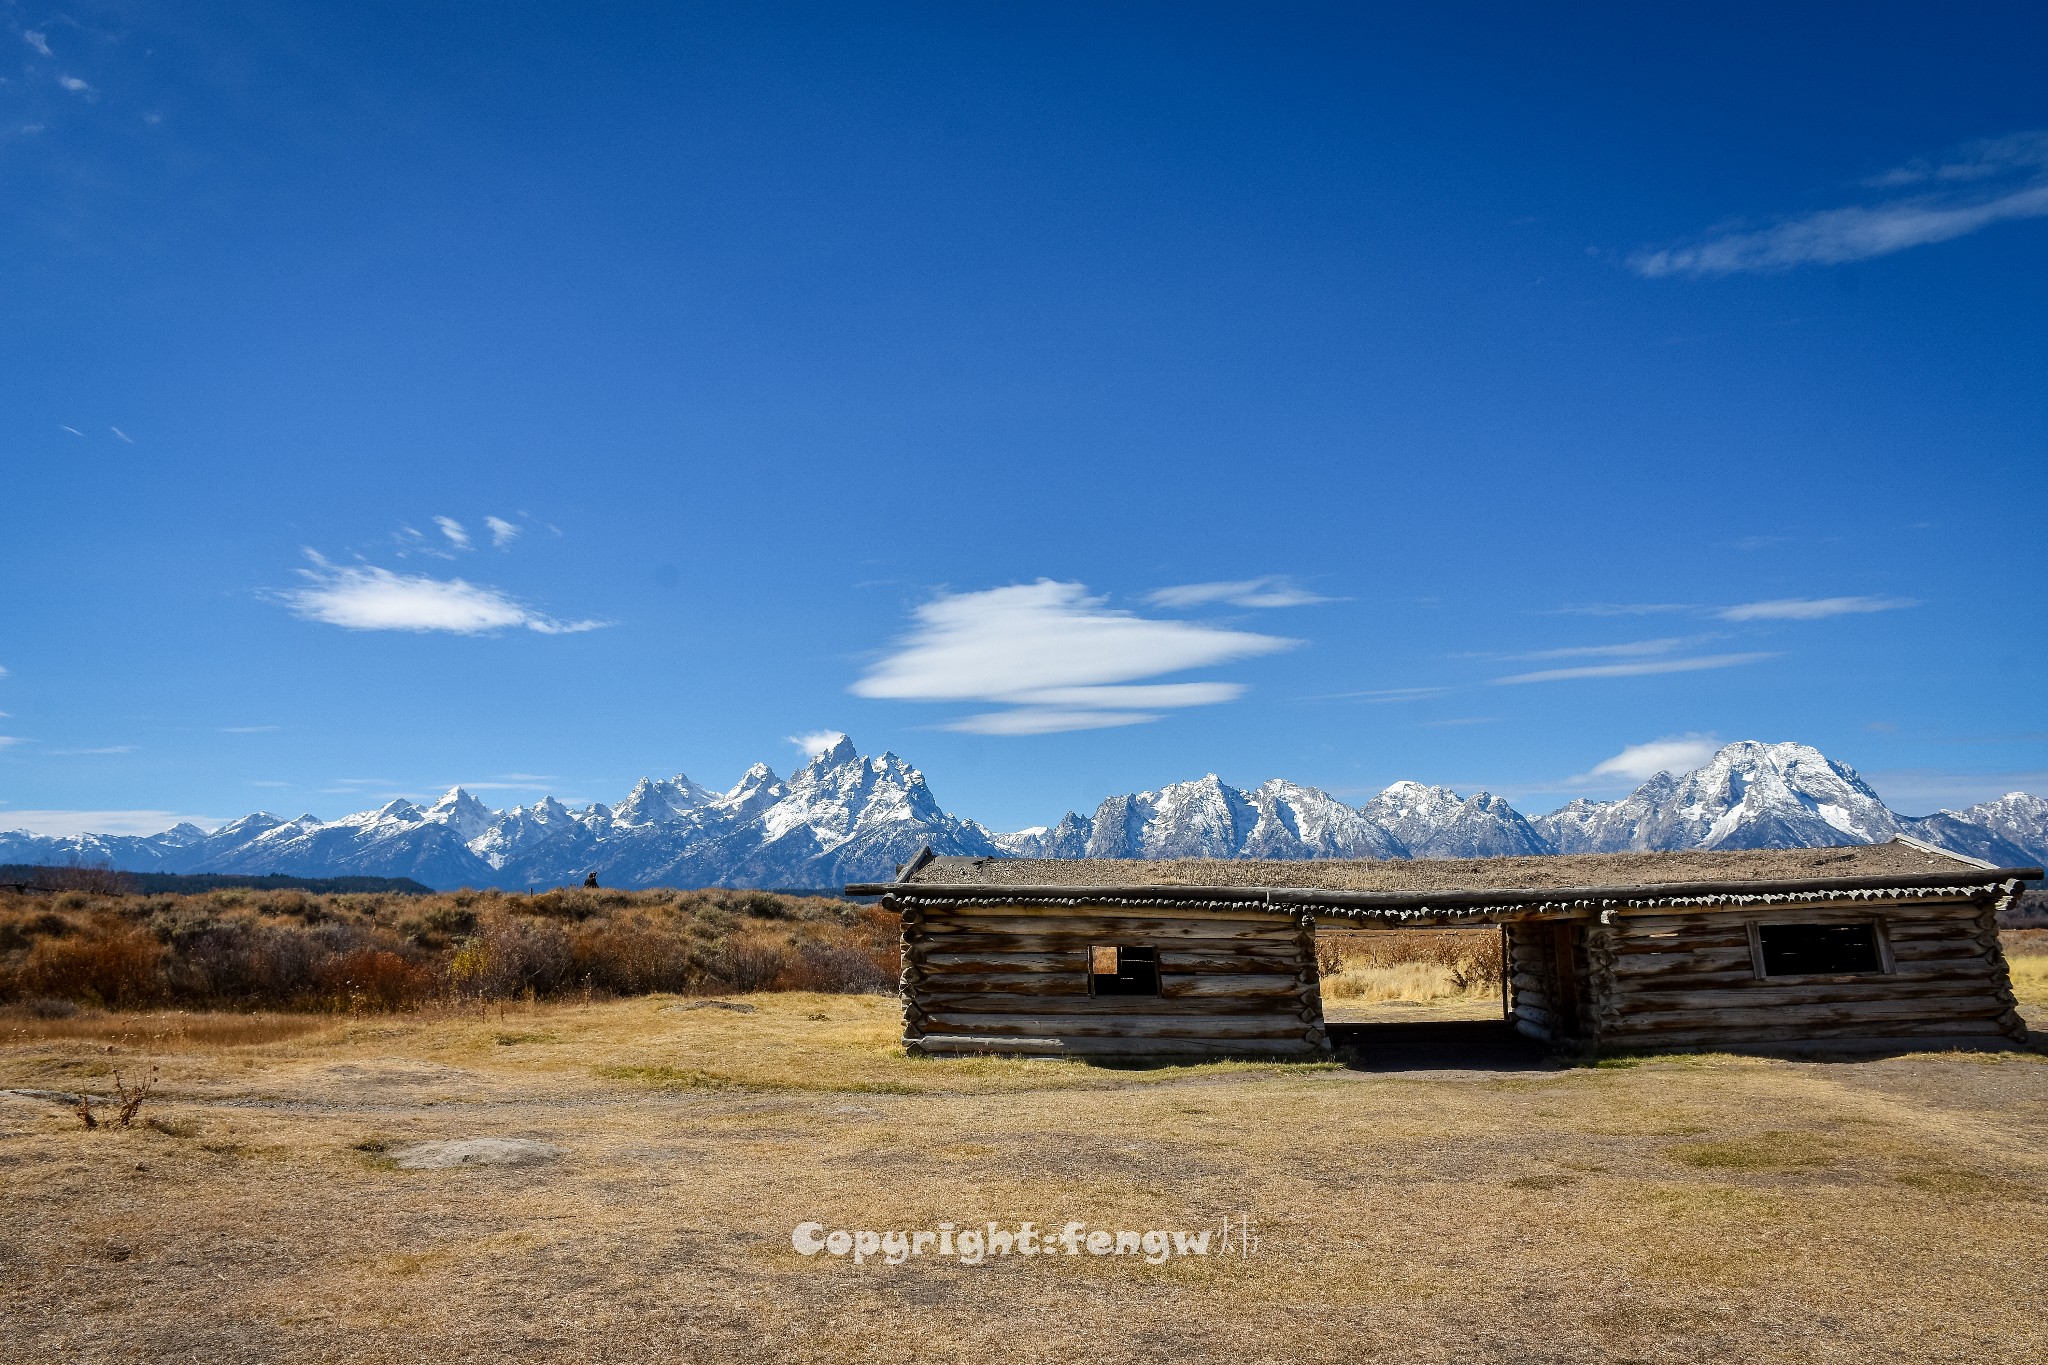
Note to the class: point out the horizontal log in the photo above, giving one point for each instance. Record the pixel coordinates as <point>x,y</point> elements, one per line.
<point>1040,910</point>
<point>1835,990</point>
<point>1933,945</point>
<point>1082,1026</point>
<point>1653,950</point>
<point>1975,972</point>
<point>1174,958</point>
<point>1931,1034</point>
<point>1649,968</point>
<point>935,1044</point>
<point>1638,922</point>
<point>1007,1002</point>
<point>979,944</point>
<point>1789,1016</point>
<point>1054,929</point>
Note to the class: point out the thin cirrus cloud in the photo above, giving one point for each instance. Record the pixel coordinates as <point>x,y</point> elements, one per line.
<point>1637,668</point>
<point>1775,609</point>
<point>1054,659</point>
<point>454,531</point>
<point>503,532</point>
<point>365,597</point>
<point>1812,608</point>
<point>1629,649</point>
<point>1273,590</point>
<point>39,41</point>
<point>1975,186</point>
<point>102,749</point>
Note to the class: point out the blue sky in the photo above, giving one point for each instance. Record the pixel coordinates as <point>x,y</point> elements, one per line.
<point>1071,399</point>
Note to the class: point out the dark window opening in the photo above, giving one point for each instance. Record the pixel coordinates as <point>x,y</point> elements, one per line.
<point>1123,971</point>
<point>1819,949</point>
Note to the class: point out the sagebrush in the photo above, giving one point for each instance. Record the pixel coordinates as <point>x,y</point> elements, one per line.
<point>365,951</point>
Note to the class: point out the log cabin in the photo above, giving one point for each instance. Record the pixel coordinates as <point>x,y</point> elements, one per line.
<point>1864,948</point>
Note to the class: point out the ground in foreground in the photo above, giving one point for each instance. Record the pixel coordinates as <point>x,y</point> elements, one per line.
<point>1699,1208</point>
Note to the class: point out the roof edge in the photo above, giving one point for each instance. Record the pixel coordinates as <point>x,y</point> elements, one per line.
<point>1986,877</point>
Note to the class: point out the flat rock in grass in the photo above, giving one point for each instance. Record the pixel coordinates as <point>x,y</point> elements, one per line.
<point>483,1151</point>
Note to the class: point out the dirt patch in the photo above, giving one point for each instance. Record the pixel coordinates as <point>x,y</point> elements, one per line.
<point>478,1151</point>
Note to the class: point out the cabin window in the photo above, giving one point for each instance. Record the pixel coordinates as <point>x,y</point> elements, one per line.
<point>1119,970</point>
<point>1818,949</point>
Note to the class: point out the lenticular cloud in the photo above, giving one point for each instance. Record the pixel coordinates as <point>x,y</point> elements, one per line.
<point>365,597</point>
<point>1057,658</point>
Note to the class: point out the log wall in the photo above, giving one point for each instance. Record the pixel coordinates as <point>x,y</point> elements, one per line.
<point>1664,978</point>
<point>1015,978</point>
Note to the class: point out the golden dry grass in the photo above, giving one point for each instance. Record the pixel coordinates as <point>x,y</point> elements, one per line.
<point>1681,1209</point>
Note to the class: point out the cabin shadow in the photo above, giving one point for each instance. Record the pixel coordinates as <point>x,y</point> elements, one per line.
<point>1438,1045</point>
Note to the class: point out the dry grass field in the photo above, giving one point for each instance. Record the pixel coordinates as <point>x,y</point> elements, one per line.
<point>1699,1208</point>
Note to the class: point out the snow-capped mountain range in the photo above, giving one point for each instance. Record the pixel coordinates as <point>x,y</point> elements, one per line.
<point>845,817</point>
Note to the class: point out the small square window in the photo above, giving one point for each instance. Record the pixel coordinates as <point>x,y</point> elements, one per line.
<point>1120,970</point>
<point>1819,949</point>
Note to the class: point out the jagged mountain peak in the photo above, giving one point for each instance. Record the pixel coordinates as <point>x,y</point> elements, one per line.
<point>844,816</point>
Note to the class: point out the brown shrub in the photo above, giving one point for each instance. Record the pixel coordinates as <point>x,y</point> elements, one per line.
<point>510,955</point>
<point>288,948</point>
<point>632,958</point>
<point>376,976</point>
<point>109,964</point>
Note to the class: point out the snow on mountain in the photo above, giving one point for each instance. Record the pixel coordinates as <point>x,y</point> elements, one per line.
<point>1208,818</point>
<point>2011,831</point>
<point>1435,822</point>
<point>845,817</point>
<point>1748,795</point>
<point>661,803</point>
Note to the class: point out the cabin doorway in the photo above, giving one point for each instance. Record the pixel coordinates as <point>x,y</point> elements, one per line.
<point>1442,997</point>
<point>1439,975</point>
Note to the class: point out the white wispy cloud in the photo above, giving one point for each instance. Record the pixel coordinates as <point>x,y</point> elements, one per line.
<point>1812,608</point>
<point>9,741</point>
<point>1640,762</point>
<point>73,430</point>
<point>1384,694</point>
<point>122,434</point>
<point>453,529</point>
<point>1637,668</point>
<point>249,729</point>
<point>503,532</point>
<point>1044,720</point>
<point>78,87</point>
<point>365,597</point>
<point>39,41</point>
<point>103,749</point>
<point>58,823</point>
<point>1982,183</point>
<point>1273,590</point>
<point>1056,659</point>
<point>815,742</point>
<point>1628,649</point>
<point>1623,608</point>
